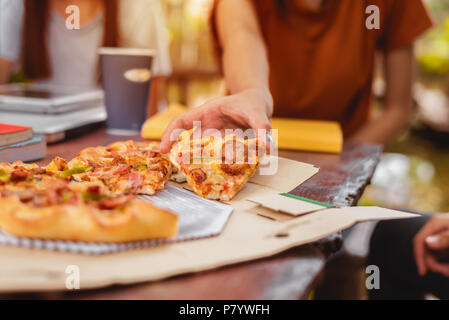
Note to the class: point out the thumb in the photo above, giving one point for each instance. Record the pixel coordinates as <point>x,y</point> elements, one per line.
<point>260,121</point>
<point>262,128</point>
<point>169,136</point>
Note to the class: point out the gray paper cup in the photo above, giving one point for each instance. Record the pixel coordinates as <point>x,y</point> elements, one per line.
<point>126,79</point>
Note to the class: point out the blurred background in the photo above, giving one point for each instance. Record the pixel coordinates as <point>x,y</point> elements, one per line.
<point>414,171</point>
<point>195,76</point>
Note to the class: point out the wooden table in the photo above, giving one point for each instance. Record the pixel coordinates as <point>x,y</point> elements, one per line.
<point>289,275</point>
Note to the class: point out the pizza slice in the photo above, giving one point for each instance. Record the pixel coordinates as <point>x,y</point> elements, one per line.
<point>18,170</point>
<point>48,207</point>
<point>216,167</point>
<point>124,167</point>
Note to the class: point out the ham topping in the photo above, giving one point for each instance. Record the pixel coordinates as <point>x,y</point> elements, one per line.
<point>19,174</point>
<point>123,169</point>
<point>113,203</point>
<point>198,175</point>
<point>135,179</point>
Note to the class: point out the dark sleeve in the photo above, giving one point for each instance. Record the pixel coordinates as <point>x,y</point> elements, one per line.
<point>405,21</point>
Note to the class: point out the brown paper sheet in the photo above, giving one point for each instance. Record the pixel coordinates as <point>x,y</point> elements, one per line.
<point>288,174</point>
<point>277,202</point>
<point>249,235</point>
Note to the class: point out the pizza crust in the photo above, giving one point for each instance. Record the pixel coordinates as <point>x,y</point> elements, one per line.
<point>140,220</point>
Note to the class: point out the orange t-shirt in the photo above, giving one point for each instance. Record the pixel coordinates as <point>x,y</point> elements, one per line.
<point>321,62</point>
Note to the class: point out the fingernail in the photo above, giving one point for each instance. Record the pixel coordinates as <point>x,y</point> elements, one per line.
<point>270,139</point>
<point>432,239</point>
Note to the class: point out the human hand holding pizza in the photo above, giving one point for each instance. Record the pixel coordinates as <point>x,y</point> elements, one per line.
<point>248,109</point>
<point>431,244</point>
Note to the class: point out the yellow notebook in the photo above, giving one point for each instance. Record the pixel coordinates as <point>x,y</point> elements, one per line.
<point>293,134</point>
<point>308,135</point>
<point>155,126</point>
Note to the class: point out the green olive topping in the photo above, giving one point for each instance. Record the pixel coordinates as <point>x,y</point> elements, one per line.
<point>3,175</point>
<point>90,196</point>
<point>71,172</point>
<point>65,197</point>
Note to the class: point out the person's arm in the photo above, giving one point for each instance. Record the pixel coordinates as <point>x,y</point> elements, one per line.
<point>5,70</point>
<point>245,66</point>
<point>398,108</point>
<point>245,62</point>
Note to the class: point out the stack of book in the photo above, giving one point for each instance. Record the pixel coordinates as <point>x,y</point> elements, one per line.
<point>20,143</point>
<point>51,110</point>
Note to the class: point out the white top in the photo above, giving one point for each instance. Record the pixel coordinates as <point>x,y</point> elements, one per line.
<point>73,53</point>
